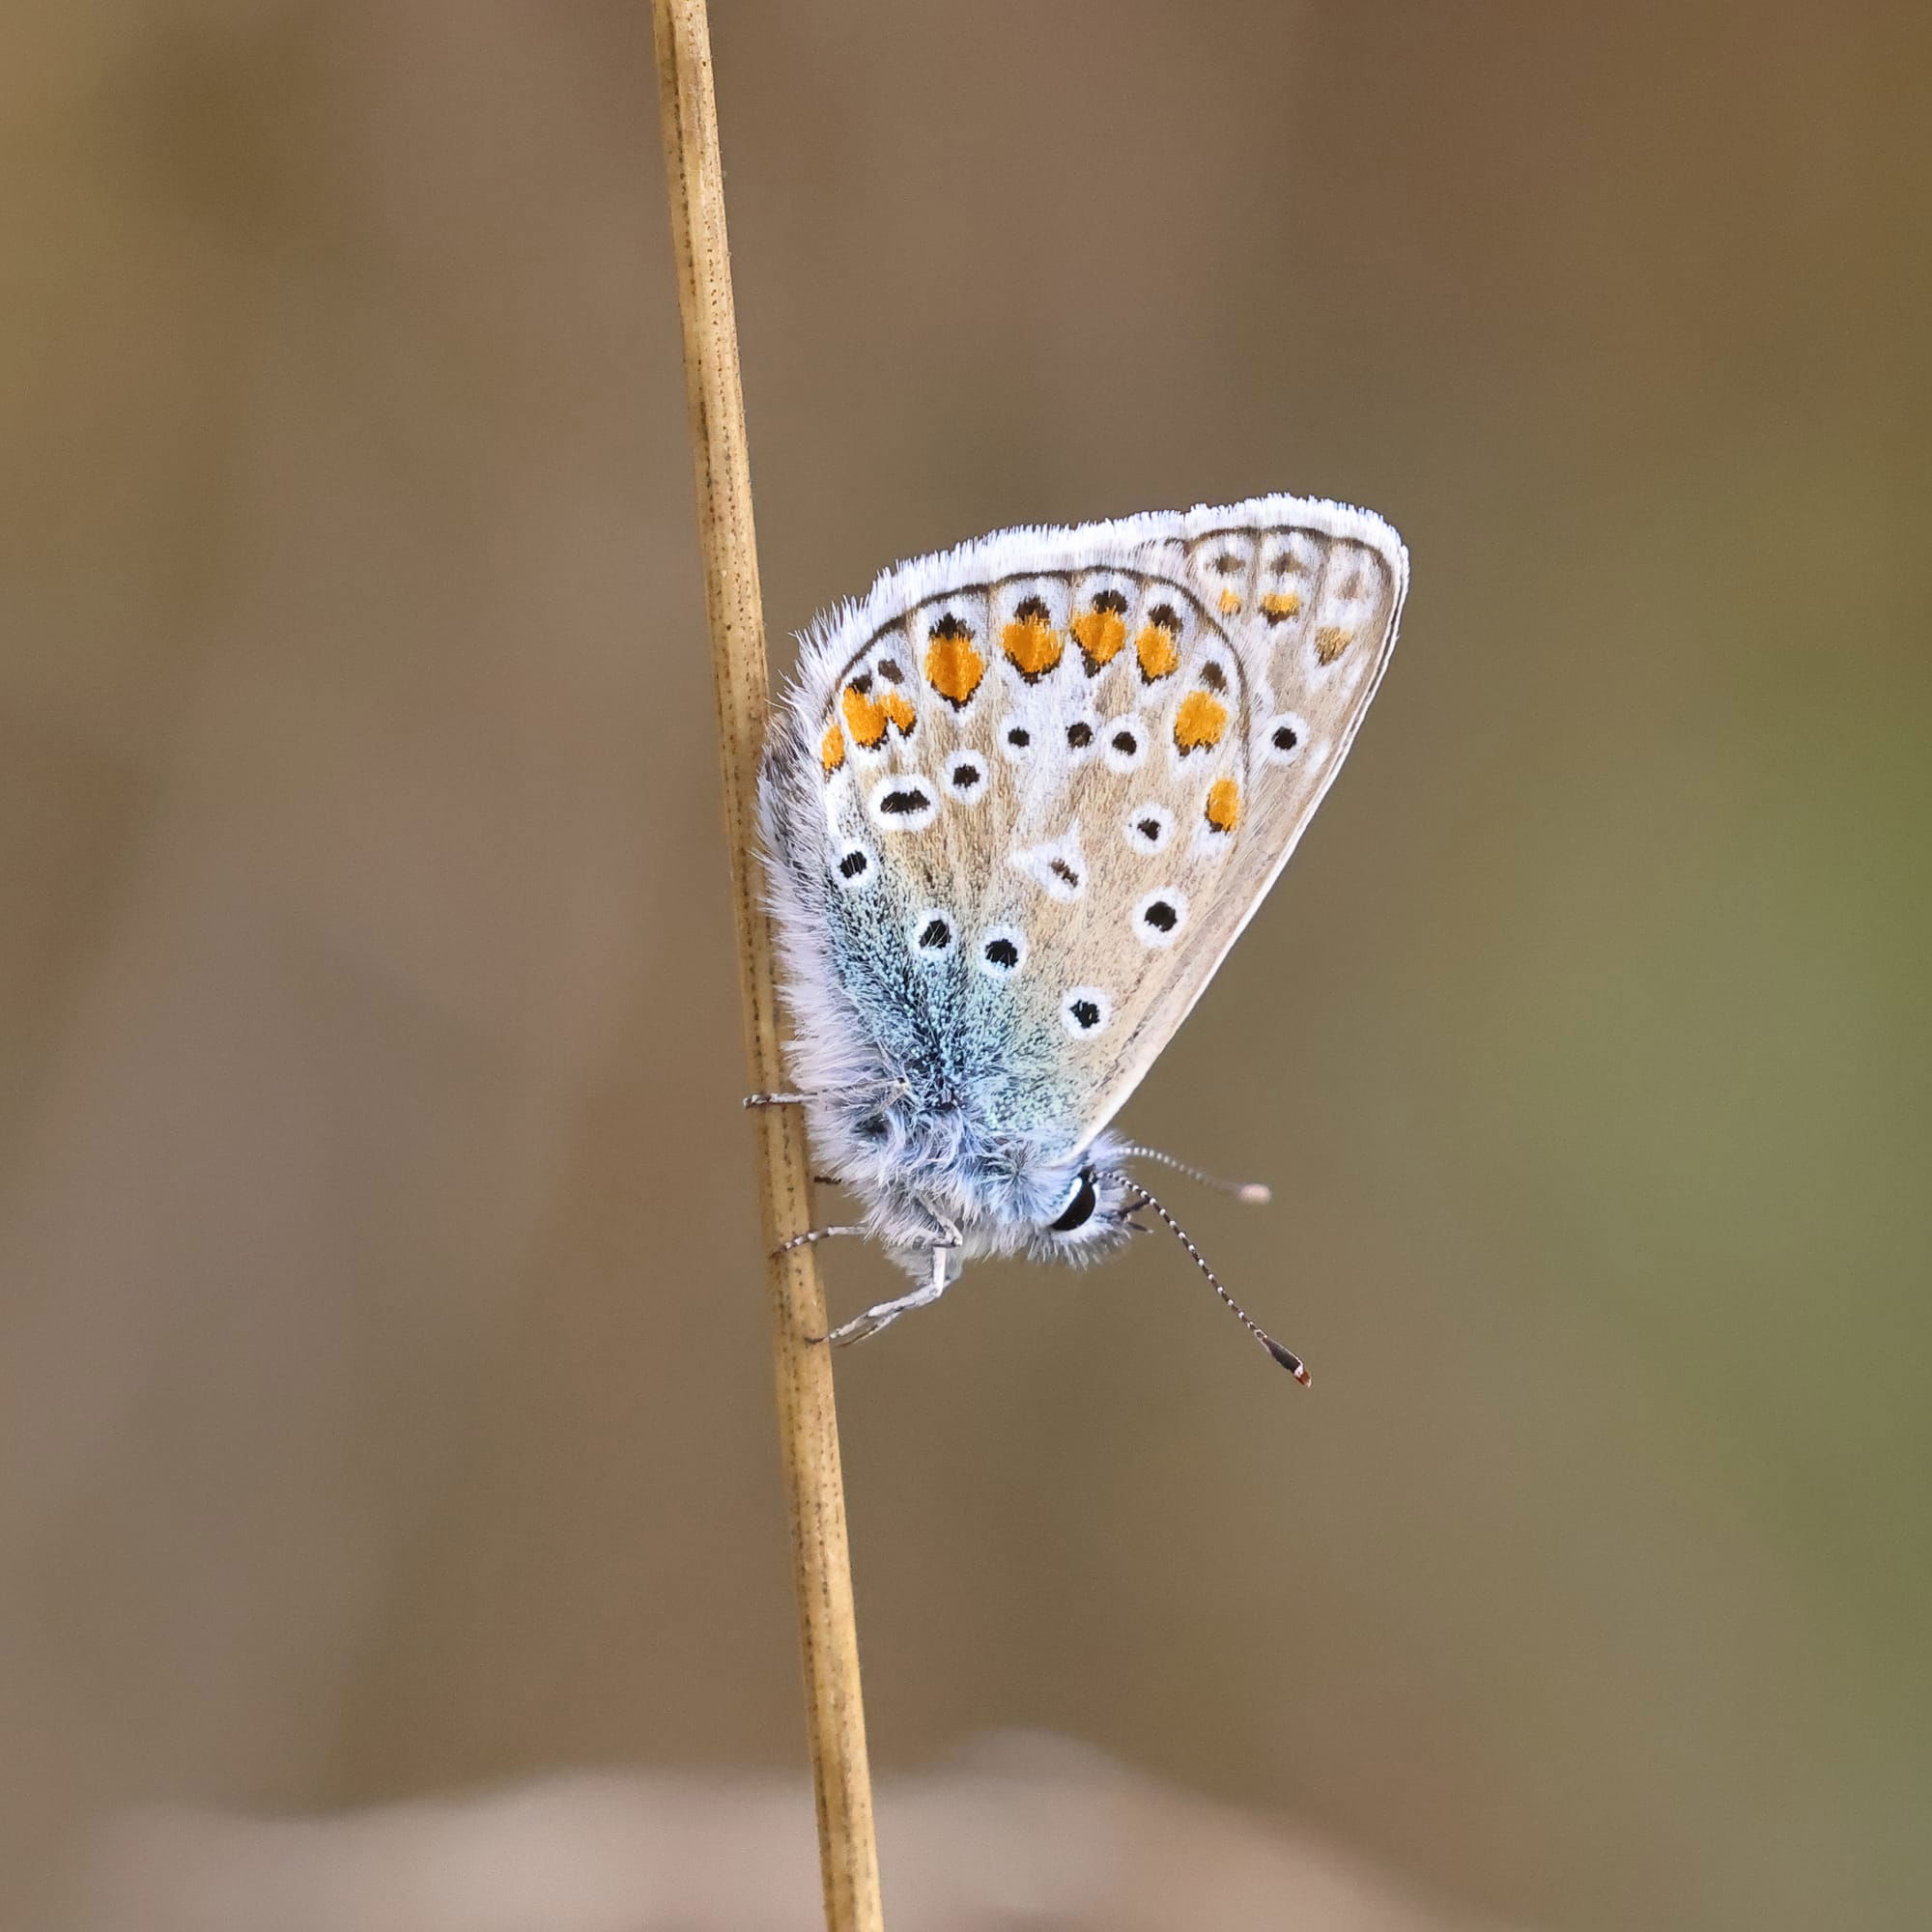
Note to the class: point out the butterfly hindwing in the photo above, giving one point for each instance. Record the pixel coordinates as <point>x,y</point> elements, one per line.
<point>1033,788</point>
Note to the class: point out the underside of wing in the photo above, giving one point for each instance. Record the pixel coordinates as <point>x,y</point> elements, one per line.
<point>1028,791</point>
<point>1310,593</point>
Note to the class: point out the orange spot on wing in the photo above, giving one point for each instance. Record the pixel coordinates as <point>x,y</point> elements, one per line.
<point>1224,804</point>
<point>1155,649</point>
<point>1099,633</point>
<point>1330,642</point>
<point>953,666</point>
<point>831,752</point>
<point>1278,606</point>
<point>898,712</point>
<point>1229,601</point>
<point>1033,645</point>
<point>1199,721</point>
<point>865,720</point>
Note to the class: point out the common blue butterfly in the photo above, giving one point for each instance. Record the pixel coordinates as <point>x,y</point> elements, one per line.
<point>1017,805</point>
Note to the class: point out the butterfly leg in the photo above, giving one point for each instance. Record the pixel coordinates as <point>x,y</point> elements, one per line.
<point>884,1313</point>
<point>889,1087</point>
<point>811,1234</point>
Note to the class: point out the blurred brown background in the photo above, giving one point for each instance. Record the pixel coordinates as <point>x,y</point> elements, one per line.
<point>384,1396</point>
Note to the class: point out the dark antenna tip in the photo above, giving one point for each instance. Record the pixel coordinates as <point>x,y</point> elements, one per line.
<point>1287,1357</point>
<point>1289,1360</point>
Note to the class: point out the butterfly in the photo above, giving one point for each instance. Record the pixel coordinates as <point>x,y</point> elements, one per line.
<point>1017,806</point>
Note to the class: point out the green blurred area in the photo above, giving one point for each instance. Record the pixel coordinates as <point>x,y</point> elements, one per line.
<point>383,1396</point>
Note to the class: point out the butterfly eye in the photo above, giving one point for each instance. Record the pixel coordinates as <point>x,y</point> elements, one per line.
<point>1081,1202</point>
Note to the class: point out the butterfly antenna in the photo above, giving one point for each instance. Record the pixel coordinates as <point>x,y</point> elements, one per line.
<point>1256,1192</point>
<point>1287,1357</point>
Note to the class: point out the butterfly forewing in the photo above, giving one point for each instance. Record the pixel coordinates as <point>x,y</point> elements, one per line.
<point>1040,783</point>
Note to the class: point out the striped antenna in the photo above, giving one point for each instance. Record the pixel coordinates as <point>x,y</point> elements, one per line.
<point>1255,1192</point>
<point>1287,1357</point>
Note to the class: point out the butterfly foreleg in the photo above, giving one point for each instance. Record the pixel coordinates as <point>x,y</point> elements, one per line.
<point>882,1315</point>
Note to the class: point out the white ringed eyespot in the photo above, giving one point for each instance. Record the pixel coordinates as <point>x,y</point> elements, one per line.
<point>965,778</point>
<point>1085,1010</point>
<point>1124,743</point>
<point>1284,738</point>
<point>1147,827</point>
<point>932,933</point>
<point>903,802</point>
<point>1082,735</point>
<point>857,865</point>
<point>1003,952</point>
<point>1159,915</point>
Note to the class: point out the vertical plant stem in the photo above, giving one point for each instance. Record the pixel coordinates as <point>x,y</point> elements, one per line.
<point>807,1424</point>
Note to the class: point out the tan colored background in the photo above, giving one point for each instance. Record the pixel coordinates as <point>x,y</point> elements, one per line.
<point>382,1389</point>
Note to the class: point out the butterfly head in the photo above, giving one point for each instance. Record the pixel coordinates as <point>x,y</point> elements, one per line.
<point>1087,1216</point>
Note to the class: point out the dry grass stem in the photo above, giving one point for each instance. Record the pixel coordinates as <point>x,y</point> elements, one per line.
<point>807,1424</point>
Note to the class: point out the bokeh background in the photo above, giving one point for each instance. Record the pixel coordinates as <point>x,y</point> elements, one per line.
<point>383,1388</point>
